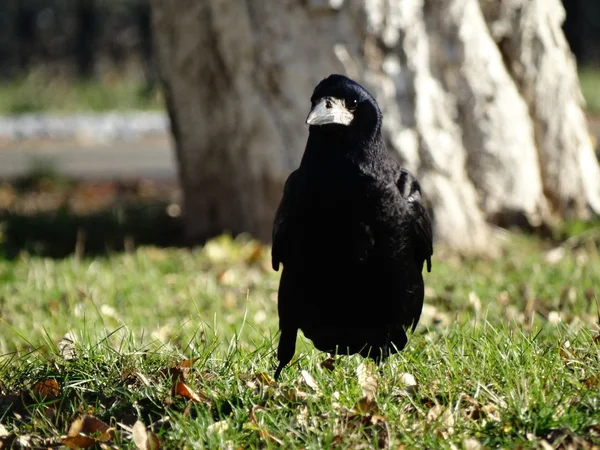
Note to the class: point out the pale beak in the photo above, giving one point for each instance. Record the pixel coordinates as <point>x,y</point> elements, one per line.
<point>329,110</point>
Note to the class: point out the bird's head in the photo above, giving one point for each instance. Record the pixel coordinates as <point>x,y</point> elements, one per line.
<point>339,102</point>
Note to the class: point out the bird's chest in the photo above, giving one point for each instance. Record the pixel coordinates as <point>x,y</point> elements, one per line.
<point>336,219</point>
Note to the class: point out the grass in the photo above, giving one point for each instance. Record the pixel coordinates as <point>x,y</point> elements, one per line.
<point>38,93</point>
<point>506,355</point>
<point>589,79</point>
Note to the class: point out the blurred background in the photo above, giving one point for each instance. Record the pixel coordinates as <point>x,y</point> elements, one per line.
<point>84,136</point>
<point>83,131</point>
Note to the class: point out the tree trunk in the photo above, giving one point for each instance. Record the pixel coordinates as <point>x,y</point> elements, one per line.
<point>480,101</point>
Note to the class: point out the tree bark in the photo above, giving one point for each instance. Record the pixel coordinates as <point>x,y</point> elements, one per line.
<point>485,138</point>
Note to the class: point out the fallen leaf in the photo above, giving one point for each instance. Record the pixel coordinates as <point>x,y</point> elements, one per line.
<point>79,441</point>
<point>181,370</point>
<point>139,435</point>
<point>351,426</point>
<point>47,388</point>
<point>187,362</point>
<point>472,408</point>
<point>408,383</point>
<point>67,347</point>
<point>184,390</point>
<point>86,431</point>
<point>369,386</point>
<point>310,381</point>
<point>328,364</point>
<point>492,412</point>
<point>142,439</point>
<point>7,441</point>
<point>293,394</point>
<point>264,378</point>
<point>258,380</point>
<point>442,416</point>
<point>367,381</point>
<point>471,444</point>
<point>592,382</point>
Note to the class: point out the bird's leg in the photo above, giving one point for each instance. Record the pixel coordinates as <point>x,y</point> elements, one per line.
<point>286,349</point>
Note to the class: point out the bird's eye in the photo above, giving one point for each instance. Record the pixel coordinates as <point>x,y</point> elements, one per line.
<point>352,104</point>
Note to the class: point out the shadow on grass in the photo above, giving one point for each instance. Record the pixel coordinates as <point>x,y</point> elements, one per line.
<point>50,216</point>
<point>60,234</point>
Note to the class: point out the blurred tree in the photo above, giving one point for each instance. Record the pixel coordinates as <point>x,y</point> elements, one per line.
<point>25,32</point>
<point>480,100</point>
<point>85,38</point>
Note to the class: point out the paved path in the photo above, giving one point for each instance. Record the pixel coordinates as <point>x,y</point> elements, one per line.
<point>144,159</point>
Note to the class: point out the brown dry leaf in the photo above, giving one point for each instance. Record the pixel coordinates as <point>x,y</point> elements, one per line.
<point>47,388</point>
<point>294,395</point>
<point>7,441</point>
<point>369,386</point>
<point>472,409</point>
<point>258,381</point>
<point>264,379</point>
<point>328,364</point>
<point>310,381</point>
<point>139,435</point>
<point>592,382</point>
<point>187,363</point>
<point>408,383</point>
<point>492,412</point>
<point>142,439</point>
<point>351,425</point>
<point>67,347</point>
<point>6,438</point>
<point>181,370</point>
<point>367,381</point>
<point>78,442</point>
<point>442,416</point>
<point>86,431</point>
<point>184,390</point>
<point>261,431</point>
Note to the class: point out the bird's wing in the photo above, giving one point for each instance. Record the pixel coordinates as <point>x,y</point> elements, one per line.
<point>284,220</point>
<point>411,191</point>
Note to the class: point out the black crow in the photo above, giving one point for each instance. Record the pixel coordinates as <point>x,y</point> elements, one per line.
<point>351,232</point>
